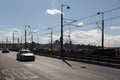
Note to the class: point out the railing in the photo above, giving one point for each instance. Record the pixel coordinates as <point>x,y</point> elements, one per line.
<point>81,57</point>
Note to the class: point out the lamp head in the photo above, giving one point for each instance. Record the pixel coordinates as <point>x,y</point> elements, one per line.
<point>28,26</point>
<point>68,7</point>
<point>98,13</point>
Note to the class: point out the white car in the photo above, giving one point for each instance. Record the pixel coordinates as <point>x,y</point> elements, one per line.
<point>25,55</point>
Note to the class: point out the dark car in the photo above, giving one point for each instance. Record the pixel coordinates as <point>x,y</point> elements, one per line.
<point>25,55</point>
<point>5,50</point>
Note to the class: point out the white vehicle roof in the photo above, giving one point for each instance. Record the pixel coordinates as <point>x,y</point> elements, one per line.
<point>24,50</point>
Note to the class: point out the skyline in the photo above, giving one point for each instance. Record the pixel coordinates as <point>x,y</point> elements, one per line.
<point>41,15</point>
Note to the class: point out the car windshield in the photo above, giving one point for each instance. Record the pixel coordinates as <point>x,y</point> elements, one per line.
<point>25,52</point>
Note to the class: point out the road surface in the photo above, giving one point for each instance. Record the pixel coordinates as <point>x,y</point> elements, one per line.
<point>45,68</point>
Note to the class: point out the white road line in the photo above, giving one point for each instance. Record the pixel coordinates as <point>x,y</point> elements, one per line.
<point>18,73</point>
<point>8,75</point>
<point>30,74</point>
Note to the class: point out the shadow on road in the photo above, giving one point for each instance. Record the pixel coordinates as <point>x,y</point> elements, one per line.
<point>25,60</point>
<point>68,64</point>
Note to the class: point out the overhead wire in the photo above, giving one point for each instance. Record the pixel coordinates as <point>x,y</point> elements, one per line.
<point>88,17</point>
<point>112,10</point>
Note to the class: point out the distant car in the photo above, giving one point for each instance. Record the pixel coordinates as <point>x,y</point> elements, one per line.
<point>25,55</point>
<point>5,50</point>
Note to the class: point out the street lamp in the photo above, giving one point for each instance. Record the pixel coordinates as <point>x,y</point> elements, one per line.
<point>6,41</point>
<point>32,41</point>
<point>61,39</point>
<point>51,40</point>
<point>102,13</point>
<point>13,37</point>
<point>25,35</point>
<point>21,42</point>
<point>32,34</point>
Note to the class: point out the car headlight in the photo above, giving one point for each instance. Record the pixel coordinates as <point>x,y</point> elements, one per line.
<point>23,55</point>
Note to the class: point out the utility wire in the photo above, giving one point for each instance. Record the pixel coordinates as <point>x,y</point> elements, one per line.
<point>91,23</point>
<point>112,10</point>
<point>77,26</point>
<point>73,21</point>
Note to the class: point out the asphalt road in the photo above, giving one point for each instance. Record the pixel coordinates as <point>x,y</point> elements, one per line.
<point>45,68</point>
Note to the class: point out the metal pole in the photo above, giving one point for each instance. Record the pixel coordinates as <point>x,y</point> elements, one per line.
<point>61,39</point>
<point>21,42</point>
<point>6,41</point>
<point>18,46</point>
<point>102,32</point>
<point>13,39</point>
<point>51,42</point>
<point>25,37</point>
<point>69,34</point>
<point>32,37</point>
<point>32,40</point>
<point>18,41</point>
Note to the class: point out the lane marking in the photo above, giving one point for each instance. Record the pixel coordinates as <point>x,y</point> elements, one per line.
<point>18,73</point>
<point>28,73</point>
<point>29,64</point>
<point>8,75</point>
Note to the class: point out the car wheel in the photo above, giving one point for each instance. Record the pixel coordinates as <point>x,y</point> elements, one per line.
<point>19,58</point>
<point>33,59</point>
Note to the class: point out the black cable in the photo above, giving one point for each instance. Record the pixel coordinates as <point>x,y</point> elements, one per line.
<point>112,10</point>
<point>72,20</point>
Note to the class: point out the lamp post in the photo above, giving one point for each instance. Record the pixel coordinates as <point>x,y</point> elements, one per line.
<point>13,37</point>
<point>69,35</point>
<point>6,41</point>
<point>102,13</point>
<point>25,35</point>
<point>21,42</point>
<point>51,40</point>
<point>32,41</point>
<point>32,33</point>
<point>32,37</point>
<point>61,38</point>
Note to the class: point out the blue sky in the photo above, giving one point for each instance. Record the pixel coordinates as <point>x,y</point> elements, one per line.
<point>42,14</point>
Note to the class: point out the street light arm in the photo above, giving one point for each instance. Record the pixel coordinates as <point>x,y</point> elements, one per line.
<point>68,7</point>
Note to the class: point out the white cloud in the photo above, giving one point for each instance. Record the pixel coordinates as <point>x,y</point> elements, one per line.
<point>80,24</point>
<point>92,37</point>
<point>113,41</point>
<point>47,39</point>
<point>115,27</point>
<point>86,37</point>
<point>16,30</point>
<point>36,30</point>
<point>9,34</point>
<point>53,11</point>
